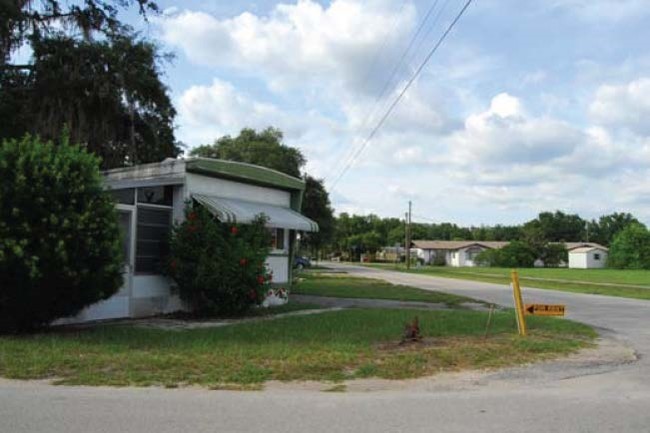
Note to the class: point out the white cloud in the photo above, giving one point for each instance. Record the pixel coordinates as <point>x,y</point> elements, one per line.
<point>623,106</point>
<point>208,112</point>
<point>298,42</point>
<point>505,134</point>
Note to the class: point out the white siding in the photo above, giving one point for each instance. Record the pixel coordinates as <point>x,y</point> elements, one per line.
<point>593,263</point>
<point>587,260</point>
<point>458,258</point>
<point>453,259</point>
<point>279,265</point>
<point>196,183</point>
<point>426,255</point>
<point>578,260</point>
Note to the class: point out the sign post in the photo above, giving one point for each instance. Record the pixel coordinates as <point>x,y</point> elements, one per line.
<point>519,303</point>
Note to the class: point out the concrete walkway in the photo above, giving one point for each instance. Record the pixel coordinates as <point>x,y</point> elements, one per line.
<point>179,325</point>
<point>330,301</point>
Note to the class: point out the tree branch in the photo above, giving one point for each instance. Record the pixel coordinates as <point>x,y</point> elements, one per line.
<point>38,17</point>
<point>16,67</point>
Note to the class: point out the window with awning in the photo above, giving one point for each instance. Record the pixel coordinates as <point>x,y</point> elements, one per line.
<point>241,211</point>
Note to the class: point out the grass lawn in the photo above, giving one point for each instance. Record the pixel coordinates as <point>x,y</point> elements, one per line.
<point>609,276</point>
<point>329,346</point>
<point>342,285</point>
<point>586,280</point>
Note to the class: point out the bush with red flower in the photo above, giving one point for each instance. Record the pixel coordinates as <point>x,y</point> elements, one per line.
<point>219,267</point>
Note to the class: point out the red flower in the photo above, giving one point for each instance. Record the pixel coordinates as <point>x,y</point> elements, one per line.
<point>260,279</point>
<point>191,216</point>
<point>269,277</point>
<point>252,294</point>
<point>234,230</point>
<point>192,228</point>
<point>243,262</point>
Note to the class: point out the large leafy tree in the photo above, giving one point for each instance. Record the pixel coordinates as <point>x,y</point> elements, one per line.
<point>265,148</point>
<point>555,227</point>
<point>607,227</point>
<point>24,21</point>
<point>317,206</point>
<point>630,248</point>
<point>89,74</point>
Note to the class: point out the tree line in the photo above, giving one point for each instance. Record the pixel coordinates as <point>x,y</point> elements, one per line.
<point>357,234</point>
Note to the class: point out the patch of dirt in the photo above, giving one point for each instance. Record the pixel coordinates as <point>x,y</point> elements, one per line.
<point>399,346</point>
<point>608,354</point>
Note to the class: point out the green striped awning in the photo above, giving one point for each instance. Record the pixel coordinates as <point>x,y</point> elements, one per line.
<point>241,211</point>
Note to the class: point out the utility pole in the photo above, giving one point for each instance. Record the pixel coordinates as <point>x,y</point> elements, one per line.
<point>408,238</point>
<point>406,234</point>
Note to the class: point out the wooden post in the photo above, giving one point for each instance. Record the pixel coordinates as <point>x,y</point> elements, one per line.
<point>519,303</point>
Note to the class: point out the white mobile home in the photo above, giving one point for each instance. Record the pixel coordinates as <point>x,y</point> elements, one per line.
<point>151,197</point>
<point>452,253</point>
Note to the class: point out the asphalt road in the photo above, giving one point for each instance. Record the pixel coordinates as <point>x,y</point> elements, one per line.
<point>569,397</point>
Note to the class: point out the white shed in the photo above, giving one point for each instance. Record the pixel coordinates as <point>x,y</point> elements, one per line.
<point>588,257</point>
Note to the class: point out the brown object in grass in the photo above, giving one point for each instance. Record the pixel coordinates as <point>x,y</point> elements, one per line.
<point>412,332</point>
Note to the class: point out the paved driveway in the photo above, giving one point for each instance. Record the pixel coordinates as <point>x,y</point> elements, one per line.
<point>551,397</point>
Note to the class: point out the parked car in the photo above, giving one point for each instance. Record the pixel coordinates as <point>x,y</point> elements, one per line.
<point>301,262</point>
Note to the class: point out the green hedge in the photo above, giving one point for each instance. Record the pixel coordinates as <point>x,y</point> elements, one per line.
<point>60,244</point>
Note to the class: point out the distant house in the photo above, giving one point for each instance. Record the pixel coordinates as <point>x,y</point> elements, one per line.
<point>588,257</point>
<point>452,253</point>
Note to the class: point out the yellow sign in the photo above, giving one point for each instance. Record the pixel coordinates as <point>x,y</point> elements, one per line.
<point>545,310</point>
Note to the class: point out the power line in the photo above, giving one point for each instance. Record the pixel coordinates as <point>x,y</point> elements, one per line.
<point>401,94</point>
<point>384,43</point>
<point>430,31</point>
<point>393,74</point>
<point>405,53</point>
<point>377,106</point>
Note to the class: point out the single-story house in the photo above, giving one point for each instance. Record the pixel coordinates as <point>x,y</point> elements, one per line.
<point>452,253</point>
<point>588,257</point>
<point>151,197</point>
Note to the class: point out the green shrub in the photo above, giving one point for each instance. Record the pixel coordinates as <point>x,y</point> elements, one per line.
<point>553,254</point>
<point>516,254</point>
<point>219,268</point>
<point>60,244</point>
<point>488,258</point>
<point>630,248</point>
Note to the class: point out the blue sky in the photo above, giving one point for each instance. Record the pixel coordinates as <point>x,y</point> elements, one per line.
<point>528,106</point>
